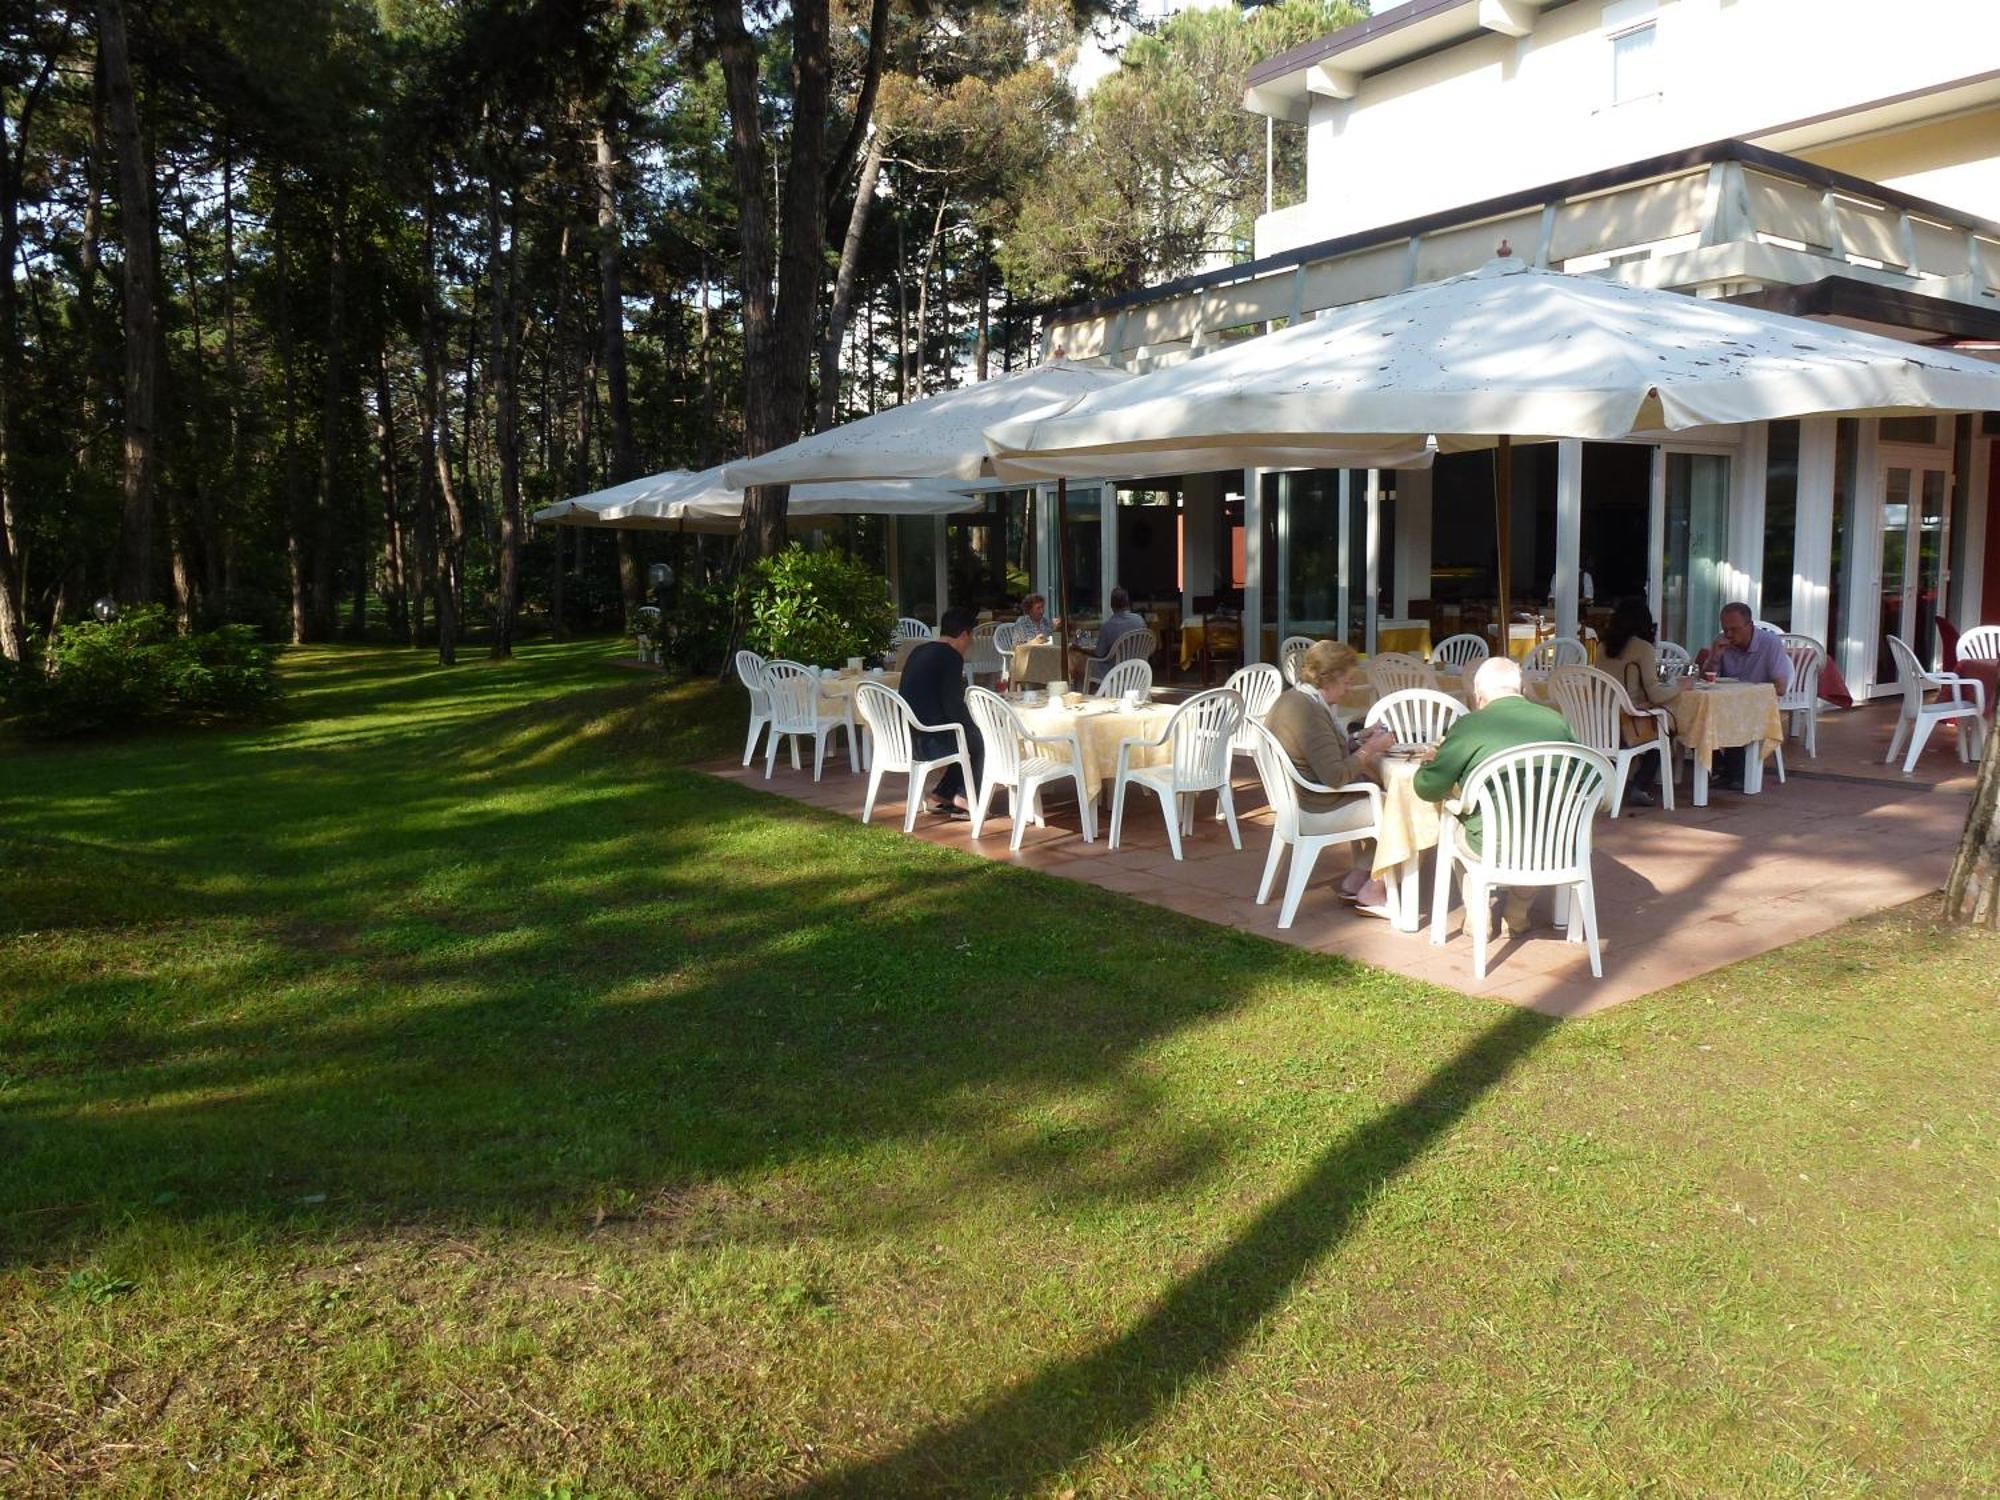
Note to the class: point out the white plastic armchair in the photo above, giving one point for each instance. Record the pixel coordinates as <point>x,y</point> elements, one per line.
<point>1198,738</point>
<point>1398,671</point>
<point>1556,651</point>
<point>796,714</point>
<point>983,658</point>
<point>1127,677</point>
<point>1259,683</point>
<point>1592,701</point>
<point>1798,704</point>
<point>1023,775</point>
<point>908,629</point>
<point>1290,650</point>
<point>1282,785</point>
<point>1416,716</point>
<point>1535,804</point>
<point>750,672</point>
<point>894,726</point>
<point>1464,652</point>
<point>1136,645</point>
<point>1958,698</point>
<point>1674,660</point>
<point>1980,643</point>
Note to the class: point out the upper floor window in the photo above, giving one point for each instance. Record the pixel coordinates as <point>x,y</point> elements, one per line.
<point>1635,69</point>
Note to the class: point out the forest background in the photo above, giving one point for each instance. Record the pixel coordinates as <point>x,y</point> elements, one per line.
<point>309,303</point>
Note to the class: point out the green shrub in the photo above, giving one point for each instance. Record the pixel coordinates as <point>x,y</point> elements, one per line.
<point>136,670</point>
<point>696,629</point>
<point>819,607</point>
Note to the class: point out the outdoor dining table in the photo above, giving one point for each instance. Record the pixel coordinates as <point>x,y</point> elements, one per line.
<point>1100,725</point>
<point>1717,716</point>
<point>1360,695</point>
<point>836,690</point>
<point>1409,826</point>
<point>1037,662</point>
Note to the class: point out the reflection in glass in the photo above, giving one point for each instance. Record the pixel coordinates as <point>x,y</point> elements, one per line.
<point>1781,522</point>
<point>1895,558</point>
<point>1697,513</point>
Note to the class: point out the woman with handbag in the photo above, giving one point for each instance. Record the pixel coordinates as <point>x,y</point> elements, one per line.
<point>1629,656</point>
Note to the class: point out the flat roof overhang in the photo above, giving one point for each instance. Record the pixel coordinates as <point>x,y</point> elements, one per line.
<point>1879,309</point>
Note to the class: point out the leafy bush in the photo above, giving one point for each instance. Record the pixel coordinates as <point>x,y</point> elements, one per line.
<point>136,670</point>
<point>819,607</point>
<point>696,629</point>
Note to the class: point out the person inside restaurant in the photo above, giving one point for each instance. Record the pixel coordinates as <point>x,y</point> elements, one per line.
<point>1302,723</point>
<point>1629,655</point>
<point>1500,720</point>
<point>1119,623</point>
<point>1744,653</point>
<point>934,687</point>
<point>1034,624</point>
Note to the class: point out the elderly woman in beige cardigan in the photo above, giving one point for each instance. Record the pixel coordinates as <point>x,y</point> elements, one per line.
<point>1303,725</point>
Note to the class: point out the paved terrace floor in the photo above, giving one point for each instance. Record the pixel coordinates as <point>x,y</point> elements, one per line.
<point>1677,894</point>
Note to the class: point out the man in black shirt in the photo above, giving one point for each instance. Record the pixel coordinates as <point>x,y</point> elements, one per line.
<point>934,687</point>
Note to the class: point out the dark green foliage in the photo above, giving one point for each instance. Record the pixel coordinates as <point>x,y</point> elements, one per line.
<point>819,607</point>
<point>135,671</point>
<point>697,627</point>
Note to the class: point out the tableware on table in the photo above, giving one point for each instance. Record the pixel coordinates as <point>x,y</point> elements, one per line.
<point>1073,700</point>
<point>1055,689</point>
<point>874,671</point>
<point>854,664</point>
<point>1131,701</point>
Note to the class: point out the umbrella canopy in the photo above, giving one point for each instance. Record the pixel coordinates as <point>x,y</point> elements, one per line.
<point>588,510</point>
<point>706,498</point>
<point>939,437</point>
<point>1506,351</point>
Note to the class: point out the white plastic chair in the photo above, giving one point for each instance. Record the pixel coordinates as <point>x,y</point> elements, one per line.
<point>1674,660</point>
<point>1416,716</point>
<point>1591,701</point>
<point>983,658</point>
<point>908,629</point>
<point>1398,671</point>
<point>1282,785</point>
<point>1465,652</point>
<point>1127,677</point>
<point>1199,737</point>
<point>1556,651</point>
<point>750,672</point>
<point>1920,717</point>
<point>1259,683</point>
<point>1290,650</point>
<point>1980,643</point>
<point>1798,704</point>
<point>646,632</point>
<point>1536,804</point>
<point>894,727</point>
<point>795,714</point>
<point>1023,775</point>
<point>1137,645</point>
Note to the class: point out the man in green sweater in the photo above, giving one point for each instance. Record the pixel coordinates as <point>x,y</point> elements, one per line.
<point>1501,719</point>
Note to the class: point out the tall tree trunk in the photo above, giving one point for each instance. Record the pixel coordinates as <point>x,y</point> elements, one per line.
<point>983,343</point>
<point>330,423</point>
<point>843,284</point>
<point>611,312</point>
<point>1972,894</point>
<point>395,583</point>
<point>443,517</point>
<point>503,360</point>
<point>924,292</point>
<point>136,215</point>
<point>288,364</point>
<point>233,371</point>
<point>13,600</point>
<point>196,525</point>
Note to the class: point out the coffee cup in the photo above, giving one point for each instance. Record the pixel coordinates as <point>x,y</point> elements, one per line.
<point>1131,700</point>
<point>1057,689</point>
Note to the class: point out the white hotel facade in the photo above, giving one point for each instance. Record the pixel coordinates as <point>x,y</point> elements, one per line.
<point>1834,159</point>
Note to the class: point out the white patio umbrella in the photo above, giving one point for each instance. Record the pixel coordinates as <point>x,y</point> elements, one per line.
<point>705,497</point>
<point>1503,352</point>
<point>588,510</point>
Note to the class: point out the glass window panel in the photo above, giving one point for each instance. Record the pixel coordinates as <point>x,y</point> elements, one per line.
<point>916,567</point>
<point>1634,65</point>
<point>1930,543</point>
<point>1083,553</point>
<point>1845,450</point>
<point>1697,513</point>
<point>1313,561</point>
<point>1922,430</point>
<point>1895,558</point>
<point>1781,521</point>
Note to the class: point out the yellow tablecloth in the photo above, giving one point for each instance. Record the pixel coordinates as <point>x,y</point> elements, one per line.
<point>1099,731</point>
<point>1414,639</point>
<point>1409,823</point>
<point>1193,635</point>
<point>1037,663</point>
<point>1360,694</point>
<point>1707,719</point>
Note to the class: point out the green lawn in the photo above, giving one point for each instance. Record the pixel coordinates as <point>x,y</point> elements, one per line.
<point>443,1090</point>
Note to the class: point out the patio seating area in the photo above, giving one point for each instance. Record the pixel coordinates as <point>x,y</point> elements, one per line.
<point>1677,894</point>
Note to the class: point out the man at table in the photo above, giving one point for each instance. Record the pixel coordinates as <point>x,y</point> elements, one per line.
<point>1120,623</point>
<point>1034,622</point>
<point>1301,722</point>
<point>1747,654</point>
<point>934,687</point>
<point>1501,719</point>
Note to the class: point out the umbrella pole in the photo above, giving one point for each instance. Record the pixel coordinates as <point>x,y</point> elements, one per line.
<point>1062,571</point>
<point>1503,525</point>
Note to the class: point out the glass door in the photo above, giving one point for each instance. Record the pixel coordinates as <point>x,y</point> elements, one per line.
<point>1915,542</point>
<point>1694,534</point>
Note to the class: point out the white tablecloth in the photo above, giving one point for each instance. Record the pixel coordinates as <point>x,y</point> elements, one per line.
<point>1099,728</point>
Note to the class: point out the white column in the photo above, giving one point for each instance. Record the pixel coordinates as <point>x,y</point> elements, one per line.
<point>1373,577</point>
<point>1413,538</point>
<point>1253,565</point>
<point>1812,548</point>
<point>1742,572</point>
<point>1281,615</point>
<point>1569,536</point>
<point>1343,594</point>
<point>1044,547</point>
